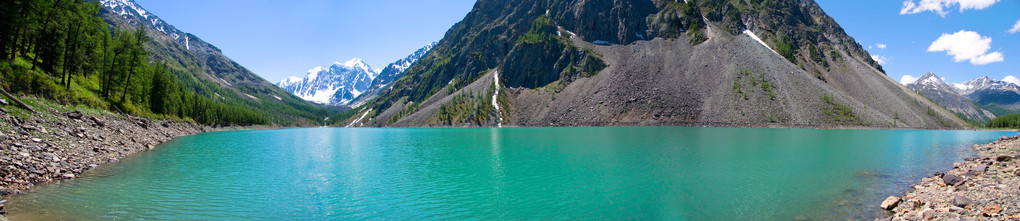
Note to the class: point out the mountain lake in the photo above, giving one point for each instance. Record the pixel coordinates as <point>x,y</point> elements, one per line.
<point>675,173</point>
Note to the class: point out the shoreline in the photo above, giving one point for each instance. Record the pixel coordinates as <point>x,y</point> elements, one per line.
<point>49,145</point>
<point>696,124</point>
<point>981,188</point>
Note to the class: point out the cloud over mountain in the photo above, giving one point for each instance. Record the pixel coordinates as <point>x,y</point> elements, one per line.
<point>967,45</point>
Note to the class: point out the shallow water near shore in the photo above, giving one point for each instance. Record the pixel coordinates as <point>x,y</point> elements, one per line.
<point>685,173</point>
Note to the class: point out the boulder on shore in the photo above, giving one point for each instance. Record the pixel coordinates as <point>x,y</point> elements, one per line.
<point>890,202</point>
<point>961,201</point>
<point>951,180</point>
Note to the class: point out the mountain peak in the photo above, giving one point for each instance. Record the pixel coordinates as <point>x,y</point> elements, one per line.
<point>352,63</point>
<point>356,64</point>
<point>932,81</point>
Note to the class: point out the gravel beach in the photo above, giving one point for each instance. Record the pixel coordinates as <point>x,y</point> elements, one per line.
<point>49,144</point>
<point>983,188</point>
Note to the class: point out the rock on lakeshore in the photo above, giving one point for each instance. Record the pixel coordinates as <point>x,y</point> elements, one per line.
<point>983,188</point>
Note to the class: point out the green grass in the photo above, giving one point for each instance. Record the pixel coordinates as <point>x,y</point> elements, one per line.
<point>837,111</point>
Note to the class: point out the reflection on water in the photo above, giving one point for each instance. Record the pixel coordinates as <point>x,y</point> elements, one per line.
<point>509,173</point>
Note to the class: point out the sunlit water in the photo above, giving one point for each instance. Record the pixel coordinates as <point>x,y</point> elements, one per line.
<point>508,173</point>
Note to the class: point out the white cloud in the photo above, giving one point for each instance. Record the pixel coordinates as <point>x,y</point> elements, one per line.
<point>940,6</point>
<point>987,58</point>
<point>1016,28</point>
<point>907,79</point>
<point>880,59</point>
<point>880,45</point>
<point>1011,79</point>
<point>967,45</point>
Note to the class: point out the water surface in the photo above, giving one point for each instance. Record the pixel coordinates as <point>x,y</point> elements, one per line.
<point>677,173</point>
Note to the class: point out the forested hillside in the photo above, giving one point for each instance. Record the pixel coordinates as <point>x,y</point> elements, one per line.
<point>66,51</point>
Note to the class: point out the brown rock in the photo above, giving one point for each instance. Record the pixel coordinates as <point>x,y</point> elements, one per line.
<point>890,203</point>
<point>927,214</point>
<point>993,210</point>
<point>98,122</point>
<point>1003,158</point>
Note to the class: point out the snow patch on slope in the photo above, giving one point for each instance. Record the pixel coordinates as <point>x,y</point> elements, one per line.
<point>495,96</point>
<point>359,118</point>
<point>755,37</point>
<point>961,87</point>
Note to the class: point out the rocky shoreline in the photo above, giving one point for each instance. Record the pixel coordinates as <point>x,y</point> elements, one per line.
<point>49,145</point>
<point>983,188</point>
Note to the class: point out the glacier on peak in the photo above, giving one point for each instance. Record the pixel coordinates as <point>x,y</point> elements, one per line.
<point>344,82</point>
<point>320,84</point>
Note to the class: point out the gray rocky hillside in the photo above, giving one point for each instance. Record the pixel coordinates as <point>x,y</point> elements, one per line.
<point>641,62</point>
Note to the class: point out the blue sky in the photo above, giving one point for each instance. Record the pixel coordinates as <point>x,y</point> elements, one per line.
<point>907,36</point>
<point>276,39</point>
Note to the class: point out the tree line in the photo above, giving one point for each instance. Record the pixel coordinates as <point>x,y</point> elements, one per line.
<point>64,50</point>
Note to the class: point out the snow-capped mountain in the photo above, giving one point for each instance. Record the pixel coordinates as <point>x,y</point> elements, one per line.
<point>980,99</point>
<point>391,73</point>
<point>350,78</point>
<point>985,84</point>
<point>933,87</point>
<point>126,8</point>
<point>344,83</point>
<point>932,82</point>
<point>397,68</point>
<point>987,91</point>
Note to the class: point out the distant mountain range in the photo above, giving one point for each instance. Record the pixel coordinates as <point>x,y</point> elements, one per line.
<point>344,83</point>
<point>980,99</point>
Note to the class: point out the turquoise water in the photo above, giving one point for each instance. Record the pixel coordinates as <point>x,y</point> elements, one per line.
<point>676,173</point>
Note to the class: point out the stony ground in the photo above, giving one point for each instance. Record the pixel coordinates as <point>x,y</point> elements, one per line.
<point>51,144</point>
<point>982,188</point>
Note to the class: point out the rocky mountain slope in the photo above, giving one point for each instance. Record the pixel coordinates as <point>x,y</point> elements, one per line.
<point>349,83</point>
<point>931,86</point>
<point>648,62</point>
<point>205,70</point>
